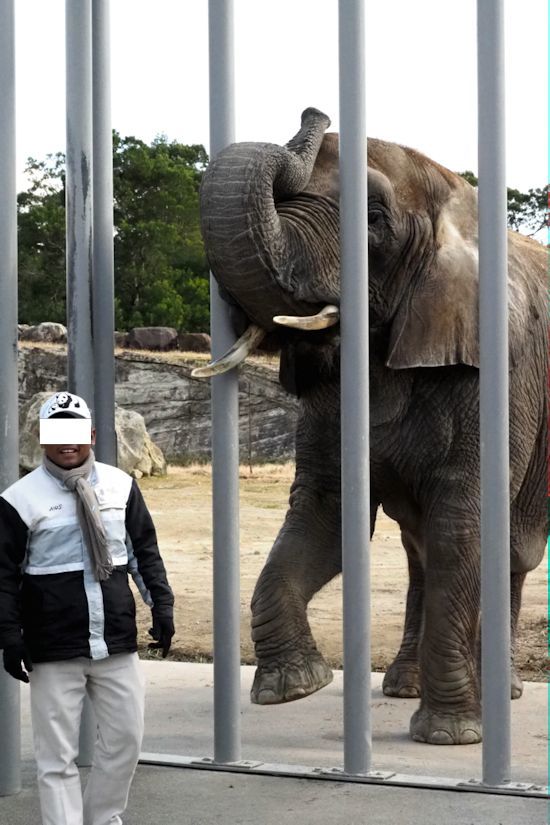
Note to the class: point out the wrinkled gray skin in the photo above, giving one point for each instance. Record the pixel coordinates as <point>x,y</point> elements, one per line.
<point>270,225</point>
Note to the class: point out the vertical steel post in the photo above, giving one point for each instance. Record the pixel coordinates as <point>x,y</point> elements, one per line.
<point>10,751</point>
<point>79,197</point>
<point>355,387</point>
<point>103,252</point>
<point>225,428</point>
<point>79,206</point>
<point>494,429</point>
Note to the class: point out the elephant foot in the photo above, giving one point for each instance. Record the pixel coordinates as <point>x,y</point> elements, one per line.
<point>517,684</point>
<point>278,681</point>
<point>402,680</point>
<point>446,728</point>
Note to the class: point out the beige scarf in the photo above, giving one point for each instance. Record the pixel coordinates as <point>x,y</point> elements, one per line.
<point>87,510</point>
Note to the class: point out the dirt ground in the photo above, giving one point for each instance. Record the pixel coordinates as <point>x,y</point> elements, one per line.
<point>180,504</point>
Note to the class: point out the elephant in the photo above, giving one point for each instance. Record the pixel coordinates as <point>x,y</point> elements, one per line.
<point>270,224</point>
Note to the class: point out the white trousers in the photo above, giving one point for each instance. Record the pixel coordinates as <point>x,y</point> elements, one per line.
<point>116,687</point>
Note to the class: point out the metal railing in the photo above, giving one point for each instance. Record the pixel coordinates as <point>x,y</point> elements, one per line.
<point>87,23</point>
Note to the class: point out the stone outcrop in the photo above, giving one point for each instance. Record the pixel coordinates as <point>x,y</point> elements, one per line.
<point>176,407</point>
<point>153,338</point>
<point>30,452</point>
<point>136,452</point>
<point>162,339</point>
<point>121,339</point>
<point>46,333</point>
<point>194,342</point>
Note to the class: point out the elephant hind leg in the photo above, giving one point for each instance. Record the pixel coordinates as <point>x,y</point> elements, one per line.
<point>516,586</point>
<point>402,679</point>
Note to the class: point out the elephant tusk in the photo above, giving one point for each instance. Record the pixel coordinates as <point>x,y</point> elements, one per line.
<point>327,317</point>
<point>234,356</point>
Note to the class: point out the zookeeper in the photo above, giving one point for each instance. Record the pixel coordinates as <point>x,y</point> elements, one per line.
<point>70,532</point>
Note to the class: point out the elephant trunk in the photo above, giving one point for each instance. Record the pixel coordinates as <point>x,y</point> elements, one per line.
<point>251,248</point>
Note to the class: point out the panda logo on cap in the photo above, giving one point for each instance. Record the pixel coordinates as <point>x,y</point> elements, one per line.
<point>65,402</point>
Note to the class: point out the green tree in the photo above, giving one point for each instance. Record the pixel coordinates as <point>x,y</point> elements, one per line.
<point>161,274</point>
<point>527,211</point>
<point>158,247</point>
<point>41,241</point>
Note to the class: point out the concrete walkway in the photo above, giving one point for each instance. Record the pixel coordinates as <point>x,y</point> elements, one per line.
<point>307,733</point>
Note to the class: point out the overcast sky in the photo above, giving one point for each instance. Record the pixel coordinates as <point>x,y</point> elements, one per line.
<point>421,64</point>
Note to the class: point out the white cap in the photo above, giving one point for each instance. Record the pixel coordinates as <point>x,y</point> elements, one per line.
<point>64,402</point>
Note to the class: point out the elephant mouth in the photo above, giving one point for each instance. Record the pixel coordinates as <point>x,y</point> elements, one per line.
<point>254,335</point>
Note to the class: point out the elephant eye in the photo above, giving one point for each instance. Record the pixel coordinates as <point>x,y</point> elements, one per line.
<point>375,216</point>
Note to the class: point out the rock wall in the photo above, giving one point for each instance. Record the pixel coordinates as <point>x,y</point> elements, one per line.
<point>176,407</point>
<point>137,454</point>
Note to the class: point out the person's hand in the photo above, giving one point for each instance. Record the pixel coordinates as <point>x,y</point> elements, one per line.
<point>14,655</point>
<point>162,631</point>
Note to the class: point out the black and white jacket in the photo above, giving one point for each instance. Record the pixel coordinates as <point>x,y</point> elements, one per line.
<point>47,588</point>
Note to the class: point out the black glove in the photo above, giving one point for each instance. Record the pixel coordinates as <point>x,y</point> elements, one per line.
<point>162,631</point>
<point>13,656</point>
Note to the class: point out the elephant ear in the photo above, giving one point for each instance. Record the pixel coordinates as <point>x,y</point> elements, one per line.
<point>437,321</point>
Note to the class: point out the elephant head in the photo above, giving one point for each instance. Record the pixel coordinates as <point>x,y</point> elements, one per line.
<point>270,222</point>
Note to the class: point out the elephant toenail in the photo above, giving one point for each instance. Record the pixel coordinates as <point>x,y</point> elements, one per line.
<point>265,697</point>
<point>469,737</point>
<point>440,737</point>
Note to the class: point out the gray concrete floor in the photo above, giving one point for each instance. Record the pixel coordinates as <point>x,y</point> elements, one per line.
<point>306,733</point>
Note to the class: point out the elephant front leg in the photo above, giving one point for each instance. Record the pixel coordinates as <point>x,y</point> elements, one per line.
<point>402,678</point>
<point>305,556</point>
<point>450,710</point>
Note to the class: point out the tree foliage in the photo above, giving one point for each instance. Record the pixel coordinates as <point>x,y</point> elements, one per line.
<point>161,274</point>
<point>527,211</point>
<point>41,241</point>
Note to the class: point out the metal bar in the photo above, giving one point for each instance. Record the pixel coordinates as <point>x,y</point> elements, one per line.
<point>225,427</point>
<point>494,429</point>
<point>79,197</point>
<point>103,249</point>
<point>79,206</point>
<point>10,752</point>
<point>400,780</point>
<point>355,388</point>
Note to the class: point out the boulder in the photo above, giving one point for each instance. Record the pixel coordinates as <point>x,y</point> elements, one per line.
<point>45,333</point>
<point>136,452</point>
<point>194,342</point>
<point>153,338</point>
<point>30,452</point>
<point>22,328</point>
<point>121,339</point>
